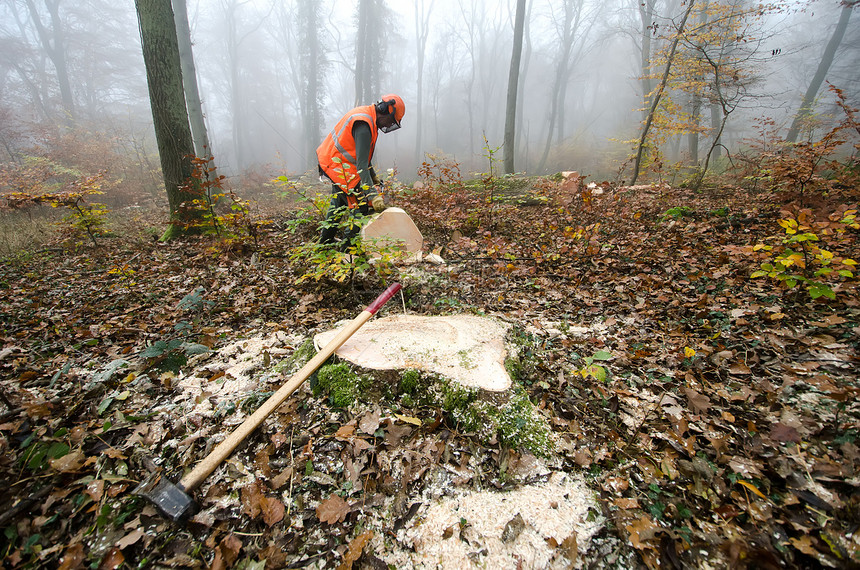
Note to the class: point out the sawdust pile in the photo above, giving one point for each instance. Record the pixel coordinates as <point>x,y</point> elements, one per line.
<point>231,372</point>
<point>543,525</point>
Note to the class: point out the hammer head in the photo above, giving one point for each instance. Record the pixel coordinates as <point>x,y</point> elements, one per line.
<point>170,499</point>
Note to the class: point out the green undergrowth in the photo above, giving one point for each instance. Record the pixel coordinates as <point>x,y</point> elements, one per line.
<point>510,418</point>
<point>523,355</point>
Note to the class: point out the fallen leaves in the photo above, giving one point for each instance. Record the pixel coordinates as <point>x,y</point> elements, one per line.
<point>783,433</point>
<point>356,547</point>
<point>698,402</point>
<point>69,462</point>
<point>255,504</point>
<point>72,557</point>
<point>642,532</point>
<point>226,553</point>
<point>725,411</point>
<point>332,510</point>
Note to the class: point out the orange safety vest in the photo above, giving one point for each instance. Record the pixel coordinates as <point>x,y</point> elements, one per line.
<point>336,154</point>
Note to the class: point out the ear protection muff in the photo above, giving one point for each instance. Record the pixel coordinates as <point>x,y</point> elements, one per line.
<point>385,107</point>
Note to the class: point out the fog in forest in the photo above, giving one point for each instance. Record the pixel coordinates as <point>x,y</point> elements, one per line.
<point>275,75</point>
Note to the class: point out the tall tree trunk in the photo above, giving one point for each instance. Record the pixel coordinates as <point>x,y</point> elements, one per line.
<point>202,148</point>
<point>646,18</point>
<point>169,115</point>
<point>470,19</point>
<point>237,109</point>
<point>361,41</point>
<point>53,42</point>
<point>370,50</point>
<point>560,77</point>
<point>312,65</point>
<point>525,69</point>
<point>513,87</point>
<point>693,135</point>
<point>717,127</point>
<point>422,30</point>
<point>656,101</point>
<point>807,105</point>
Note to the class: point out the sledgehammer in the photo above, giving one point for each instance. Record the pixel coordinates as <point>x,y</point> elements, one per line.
<point>174,501</point>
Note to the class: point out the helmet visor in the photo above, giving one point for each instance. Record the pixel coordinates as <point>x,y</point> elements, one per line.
<point>389,128</point>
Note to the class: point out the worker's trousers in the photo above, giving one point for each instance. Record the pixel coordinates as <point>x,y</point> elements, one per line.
<point>341,218</point>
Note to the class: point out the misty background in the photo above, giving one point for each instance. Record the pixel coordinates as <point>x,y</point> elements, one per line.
<point>274,76</point>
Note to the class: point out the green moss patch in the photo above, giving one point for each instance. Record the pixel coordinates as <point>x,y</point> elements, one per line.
<point>301,356</point>
<point>341,383</point>
<point>509,417</point>
<point>523,356</point>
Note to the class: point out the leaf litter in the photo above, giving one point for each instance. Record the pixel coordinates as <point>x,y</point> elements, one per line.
<point>722,431</point>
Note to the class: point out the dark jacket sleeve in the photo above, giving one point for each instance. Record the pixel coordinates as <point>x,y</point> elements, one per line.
<point>361,134</point>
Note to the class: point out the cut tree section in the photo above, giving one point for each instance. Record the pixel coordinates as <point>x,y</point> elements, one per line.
<point>394,229</point>
<point>465,348</point>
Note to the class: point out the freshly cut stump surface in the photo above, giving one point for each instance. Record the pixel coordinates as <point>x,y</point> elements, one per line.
<point>466,348</point>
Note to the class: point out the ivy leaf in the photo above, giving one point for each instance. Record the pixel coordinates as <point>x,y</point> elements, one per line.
<point>154,350</point>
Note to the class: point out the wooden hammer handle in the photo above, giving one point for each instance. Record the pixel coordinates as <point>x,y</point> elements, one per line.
<point>223,450</point>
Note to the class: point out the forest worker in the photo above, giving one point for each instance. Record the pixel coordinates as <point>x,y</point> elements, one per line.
<point>345,158</point>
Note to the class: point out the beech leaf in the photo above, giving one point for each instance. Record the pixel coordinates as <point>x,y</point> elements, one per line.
<point>112,560</point>
<point>227,553</point>
<point>356,547</point>
<point>68,463</point>
<point>408,419</point>
<point>332,510</point>
<point>784,433</point>
<point>370,422</point>
<point>273,510</point>
<point>698,402</point>
<point>641,532</point>
<point>252,498</point>
<point>73,557</point>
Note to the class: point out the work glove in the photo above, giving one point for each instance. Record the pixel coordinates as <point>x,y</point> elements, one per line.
<point>378,203</point>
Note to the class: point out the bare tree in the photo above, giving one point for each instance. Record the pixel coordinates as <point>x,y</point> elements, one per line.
<point>573,25</point>
<point>202,147</point>
<point>647,23</point>
<point>422,31</point>
<point>722,65</point>
<point>370,45</point>
<point>660,90</point>
<point>807,104</point>
<point>513,87</point>
<point>53,42</point>
<point>234,38</point>
<point>526,59</point>
<point>313,65</point>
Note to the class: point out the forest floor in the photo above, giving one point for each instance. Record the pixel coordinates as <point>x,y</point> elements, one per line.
<point>712,418</point>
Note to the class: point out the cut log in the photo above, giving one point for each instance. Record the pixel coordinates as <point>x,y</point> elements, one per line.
<point>466,348</point>
<point>393,228</point>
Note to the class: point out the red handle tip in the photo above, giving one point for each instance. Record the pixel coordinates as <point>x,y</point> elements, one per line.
<point>382,299</point>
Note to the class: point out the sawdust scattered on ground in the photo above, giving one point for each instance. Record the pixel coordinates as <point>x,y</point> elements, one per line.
<point>543,525</point>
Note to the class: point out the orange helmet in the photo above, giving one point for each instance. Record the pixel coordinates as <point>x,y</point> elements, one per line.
<point>392,105</point>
